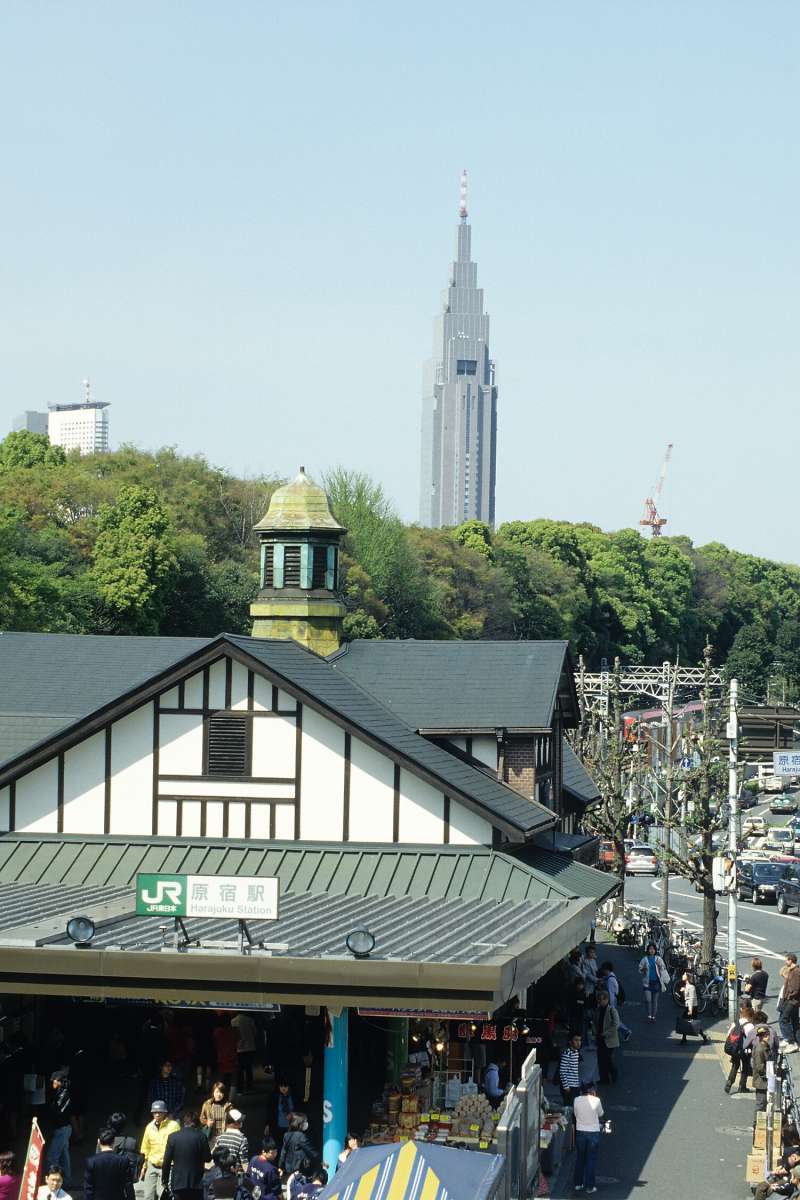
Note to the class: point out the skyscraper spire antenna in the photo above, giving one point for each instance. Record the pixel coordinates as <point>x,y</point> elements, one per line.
<point>462,203</point>
<point>87,391</point>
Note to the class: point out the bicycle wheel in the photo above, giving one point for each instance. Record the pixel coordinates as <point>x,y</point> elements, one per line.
<point>702,997</point>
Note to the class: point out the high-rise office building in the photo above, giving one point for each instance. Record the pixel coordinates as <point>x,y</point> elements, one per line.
<point>459,406</point>
<point>30,422</point>
<point>82,426</point>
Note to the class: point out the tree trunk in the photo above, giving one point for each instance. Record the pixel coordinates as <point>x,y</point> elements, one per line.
<point>709,916</point>
<point>619,871</point>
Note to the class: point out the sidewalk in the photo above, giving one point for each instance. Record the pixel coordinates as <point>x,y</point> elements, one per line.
<point>675,1132</point>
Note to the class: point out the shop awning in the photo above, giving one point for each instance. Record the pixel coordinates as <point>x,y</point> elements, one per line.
<point>416,1171</point>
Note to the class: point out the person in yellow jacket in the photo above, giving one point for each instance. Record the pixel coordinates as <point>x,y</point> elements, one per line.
<point>154,1143</point>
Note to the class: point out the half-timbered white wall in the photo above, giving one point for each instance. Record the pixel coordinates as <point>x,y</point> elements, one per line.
<point>308,778</point>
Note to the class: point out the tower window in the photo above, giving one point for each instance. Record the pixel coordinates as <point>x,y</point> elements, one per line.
<point>467,366</point>
<point>320,567</point>
<point>227,744</point>
<point>269,567</point>
<point>291,566</point>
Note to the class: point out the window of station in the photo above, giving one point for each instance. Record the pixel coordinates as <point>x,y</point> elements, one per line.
<point>467,366</point>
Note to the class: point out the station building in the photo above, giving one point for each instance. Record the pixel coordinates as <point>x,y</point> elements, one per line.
<point>419,795</point>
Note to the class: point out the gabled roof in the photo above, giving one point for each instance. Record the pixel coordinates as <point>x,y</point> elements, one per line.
<point>469,686</point>
<point>575,779</point>
<point>140,666</point>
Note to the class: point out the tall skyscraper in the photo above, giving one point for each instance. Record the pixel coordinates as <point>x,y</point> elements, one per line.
<point>30,421</point>
<point>459,406</point>
<point>82,427</point>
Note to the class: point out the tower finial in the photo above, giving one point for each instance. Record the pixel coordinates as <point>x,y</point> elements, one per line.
<point>462,204</point>
<point>87,391</point>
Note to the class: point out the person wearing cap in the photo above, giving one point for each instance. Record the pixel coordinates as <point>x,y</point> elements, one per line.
<point>232,1139</point>
<point>153,1148</point>
<point>758,1066</point>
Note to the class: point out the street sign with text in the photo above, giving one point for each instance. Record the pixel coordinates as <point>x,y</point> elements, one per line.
<point>786,762</point>
<point>240,897</point>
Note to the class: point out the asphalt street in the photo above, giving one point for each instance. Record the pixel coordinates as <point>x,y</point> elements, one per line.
<point>762,931</point>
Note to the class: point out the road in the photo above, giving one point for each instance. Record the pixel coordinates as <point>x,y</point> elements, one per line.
<point>762,932</point>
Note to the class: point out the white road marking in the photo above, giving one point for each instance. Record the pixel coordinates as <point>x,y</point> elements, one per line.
<point>758,937</point>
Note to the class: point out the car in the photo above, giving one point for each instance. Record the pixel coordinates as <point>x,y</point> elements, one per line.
<point>605,856</point>
<point>755,827</point>
<point>641,860</point>
<point>757,881</point>
<point>747,799</point>
<point>783,804</point>
<point>788,889</point>
<point>780,841</point>
<point>774,783</point>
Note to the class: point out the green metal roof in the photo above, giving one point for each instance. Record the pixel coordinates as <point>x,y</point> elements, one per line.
<point>445,872</point>
<point>462,685</point>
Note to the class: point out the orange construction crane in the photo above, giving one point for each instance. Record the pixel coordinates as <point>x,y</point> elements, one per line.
<point>651,516</point>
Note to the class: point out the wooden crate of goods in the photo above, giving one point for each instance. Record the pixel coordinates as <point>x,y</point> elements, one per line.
<point>410,1104</point>
<point>756,1167</point>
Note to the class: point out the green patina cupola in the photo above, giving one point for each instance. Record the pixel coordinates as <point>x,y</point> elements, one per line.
<point>299,596</point>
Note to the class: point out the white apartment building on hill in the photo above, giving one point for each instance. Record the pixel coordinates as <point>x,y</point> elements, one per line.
<point>82,427</point>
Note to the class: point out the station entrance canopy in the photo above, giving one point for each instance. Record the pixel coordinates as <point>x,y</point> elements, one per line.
<point>455,928</point>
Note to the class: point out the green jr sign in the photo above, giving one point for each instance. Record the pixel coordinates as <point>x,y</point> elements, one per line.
<point>241,897</point>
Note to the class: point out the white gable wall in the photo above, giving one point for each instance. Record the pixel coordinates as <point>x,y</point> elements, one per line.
<point>485,749</point>
<point>370,798</point>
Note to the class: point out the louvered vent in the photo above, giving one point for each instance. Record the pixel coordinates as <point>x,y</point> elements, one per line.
<point>269,564</point>
<point>291,566</point>
<point>227,744</point>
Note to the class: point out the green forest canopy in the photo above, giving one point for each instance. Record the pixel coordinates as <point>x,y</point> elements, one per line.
<point>139,542</point>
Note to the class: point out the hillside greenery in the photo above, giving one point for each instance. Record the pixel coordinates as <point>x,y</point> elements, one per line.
<point>139,542</point>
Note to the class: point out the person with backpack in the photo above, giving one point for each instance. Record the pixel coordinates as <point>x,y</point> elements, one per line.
<point>607,979</point>
<point>738,1041</point>
<point>124,1144</point>
<point>758,1062</point>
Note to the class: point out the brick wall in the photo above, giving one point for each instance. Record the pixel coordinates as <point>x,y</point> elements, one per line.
<point>520,765</point>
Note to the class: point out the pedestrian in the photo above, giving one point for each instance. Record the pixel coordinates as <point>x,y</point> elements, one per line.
<point>167,1087</point>
<point>607,1036</point>
<point>739,1039</point>
<point>574,968</point>
<point>154,1145</point>
<point>222,1181</point>
<point>226,1049</point>
<point>53,1186</point>
<point>312,1189</point>
<point>60,1120</point>
<point>108,1175</point>
<point>233,1139</point>
<point>262,1171</point>
<point>569,1070</point>
<point>761,1018</point>
<point>755,985</point>
<point>758,1065</point>
<point>608,980</point>
<point>185,1159</point>
<point>491,1084</point>
<point>689,991</point>
<point>282,1106</point>
<point>577,1007</point>
<point>789,1004</point>
<point>588,1116</point>
<point>9,1175</point>
<point>246,1032</point>
<point>296,1146</point>
<point>655,978</point>
<point>215,1111</point>
<point>124,1144</point>
<point>589,970</point>
<point>351,1143</point>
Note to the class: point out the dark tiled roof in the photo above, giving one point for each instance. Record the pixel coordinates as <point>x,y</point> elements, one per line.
<point>470,873</point>
<point>333,688</point>
<point>460,685</point>
<point>19,731</point>
<point>570,877</point>
<point>575,778</point>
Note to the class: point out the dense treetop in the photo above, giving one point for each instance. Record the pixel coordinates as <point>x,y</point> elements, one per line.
<point>138,542</point>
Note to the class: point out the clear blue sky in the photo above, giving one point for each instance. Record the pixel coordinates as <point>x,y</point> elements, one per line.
<point>238,218</point>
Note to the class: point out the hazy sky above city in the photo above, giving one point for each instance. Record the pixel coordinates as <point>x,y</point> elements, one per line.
<point>238,220</point>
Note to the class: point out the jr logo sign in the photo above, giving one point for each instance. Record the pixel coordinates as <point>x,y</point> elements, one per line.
<point>161,894</point>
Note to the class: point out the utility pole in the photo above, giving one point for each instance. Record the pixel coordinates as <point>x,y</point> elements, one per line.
<point>733,843</point>
<point>669,676</point>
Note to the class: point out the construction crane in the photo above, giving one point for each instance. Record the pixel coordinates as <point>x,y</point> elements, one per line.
<point>651,516</point>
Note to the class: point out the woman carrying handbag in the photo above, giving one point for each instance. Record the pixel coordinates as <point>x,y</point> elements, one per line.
<point>655,979</point>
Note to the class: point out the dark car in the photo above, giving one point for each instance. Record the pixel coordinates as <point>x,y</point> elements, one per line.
<point>757,880</point>
<point>788,890</point>
<point>747,799</point>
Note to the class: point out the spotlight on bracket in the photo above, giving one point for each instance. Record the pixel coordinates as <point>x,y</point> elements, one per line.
<point>360,943</point>
<point>81,930</point>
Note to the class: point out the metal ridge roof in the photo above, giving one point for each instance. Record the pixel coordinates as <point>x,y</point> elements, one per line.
<point>474,873</point>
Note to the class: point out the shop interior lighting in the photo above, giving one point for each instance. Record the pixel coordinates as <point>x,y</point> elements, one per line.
<point>360,943</point>
<point>81,931</point>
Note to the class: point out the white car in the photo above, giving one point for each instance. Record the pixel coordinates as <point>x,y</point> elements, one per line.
<point>780,840</point>
<point>641,860</point>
